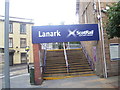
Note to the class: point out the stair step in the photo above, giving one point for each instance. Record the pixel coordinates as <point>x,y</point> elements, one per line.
<point>63,77</point>
<point>79,63</point>
<point>70,70</point>
<point>55,72</point>
<point>58,60</point>
<point>56,63</point>
<point>56,66</point>
<point>69,74</point>
<point>55,69</point>
<point>74,59</point>
<point>68,61</point>
<point>51,66</point>
<point>63,74</point>
<point>65,71</point>
<point>77,60</point>
<point>55,59</point>
<point>74,68</point>
<point>79,70</point>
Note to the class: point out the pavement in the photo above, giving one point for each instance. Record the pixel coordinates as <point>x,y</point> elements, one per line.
<point>23,81</point>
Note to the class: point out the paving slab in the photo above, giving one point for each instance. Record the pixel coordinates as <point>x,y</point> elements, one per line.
<point>22,81</point>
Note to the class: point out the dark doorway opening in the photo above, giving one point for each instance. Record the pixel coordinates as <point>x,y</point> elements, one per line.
<point>11,54</point>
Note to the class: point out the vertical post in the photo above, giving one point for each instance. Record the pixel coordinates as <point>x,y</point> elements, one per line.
<point>6,46</point>
<point>27,49</point>
<point>102,38</point>
<point>68,45</point>
<point>27,62</point>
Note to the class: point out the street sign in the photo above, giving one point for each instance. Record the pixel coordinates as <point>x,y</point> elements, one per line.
<point>65,33</point>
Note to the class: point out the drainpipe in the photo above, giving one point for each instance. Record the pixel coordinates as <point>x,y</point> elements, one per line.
<point>102,38</point>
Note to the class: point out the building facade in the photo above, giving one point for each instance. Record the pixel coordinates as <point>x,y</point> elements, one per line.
<point>19,37</point>
<point>100,54</point>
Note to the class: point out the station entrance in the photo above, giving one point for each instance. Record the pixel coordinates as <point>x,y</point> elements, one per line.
<point>65,62</point>
<point>61,64</point>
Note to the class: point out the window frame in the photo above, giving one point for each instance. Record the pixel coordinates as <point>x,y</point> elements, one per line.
<point>22,28</point>
<point>21,42</point>
<point>10,28</point>
<point>114,48</point>
<point>11,39</point>
<point>21,58</point>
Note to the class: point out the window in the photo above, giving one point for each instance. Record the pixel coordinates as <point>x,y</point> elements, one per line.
<point>22,28</point>
<point>1,50</point>
<point>114,51</point>
<point>10,27</point>
<point>22,42</point>
<point>10,42</point>
<point>23,58</point>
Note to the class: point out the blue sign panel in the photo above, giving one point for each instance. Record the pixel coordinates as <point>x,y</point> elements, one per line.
<point>65,33</point>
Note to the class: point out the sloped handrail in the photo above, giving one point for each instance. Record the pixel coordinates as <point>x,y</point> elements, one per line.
<point>66,60</point>
<point>88,57</point>
<point>44,58</point>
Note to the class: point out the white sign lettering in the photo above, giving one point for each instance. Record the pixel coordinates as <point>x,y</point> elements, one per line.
<point>85,33</point>
<point>76,33</point>
<point>49,34</point>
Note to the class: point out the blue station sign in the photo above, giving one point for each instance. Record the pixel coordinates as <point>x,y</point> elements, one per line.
<point>65,33</point>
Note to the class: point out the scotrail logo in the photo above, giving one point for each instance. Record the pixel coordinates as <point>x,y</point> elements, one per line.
<point>76,33</point>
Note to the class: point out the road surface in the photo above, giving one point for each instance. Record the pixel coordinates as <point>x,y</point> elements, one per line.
<point>15,71</point>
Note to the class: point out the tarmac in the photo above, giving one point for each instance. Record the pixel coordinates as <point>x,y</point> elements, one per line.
<point>23,81</point>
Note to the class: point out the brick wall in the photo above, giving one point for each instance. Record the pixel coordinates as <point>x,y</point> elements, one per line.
<point>37,69</point>
<point>88,15</point>
<point>115,40</point>
<point>115,65</point>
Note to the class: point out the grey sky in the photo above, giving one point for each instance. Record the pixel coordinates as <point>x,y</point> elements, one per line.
<point>42,11</point>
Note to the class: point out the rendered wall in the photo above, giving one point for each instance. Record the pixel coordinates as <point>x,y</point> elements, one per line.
<point>16,41</point>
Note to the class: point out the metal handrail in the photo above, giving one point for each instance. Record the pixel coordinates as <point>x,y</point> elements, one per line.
<point>44,59</point>
<point>45,52</point>
<point>66,60</point>
<point>88,57</point>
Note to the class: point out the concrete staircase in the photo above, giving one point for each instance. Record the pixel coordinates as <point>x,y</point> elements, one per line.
<point>56,66</point>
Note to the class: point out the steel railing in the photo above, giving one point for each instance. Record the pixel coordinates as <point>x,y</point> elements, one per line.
<point>66,60</point>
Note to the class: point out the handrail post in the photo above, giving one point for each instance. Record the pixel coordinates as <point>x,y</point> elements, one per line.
<point>66,60</point>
